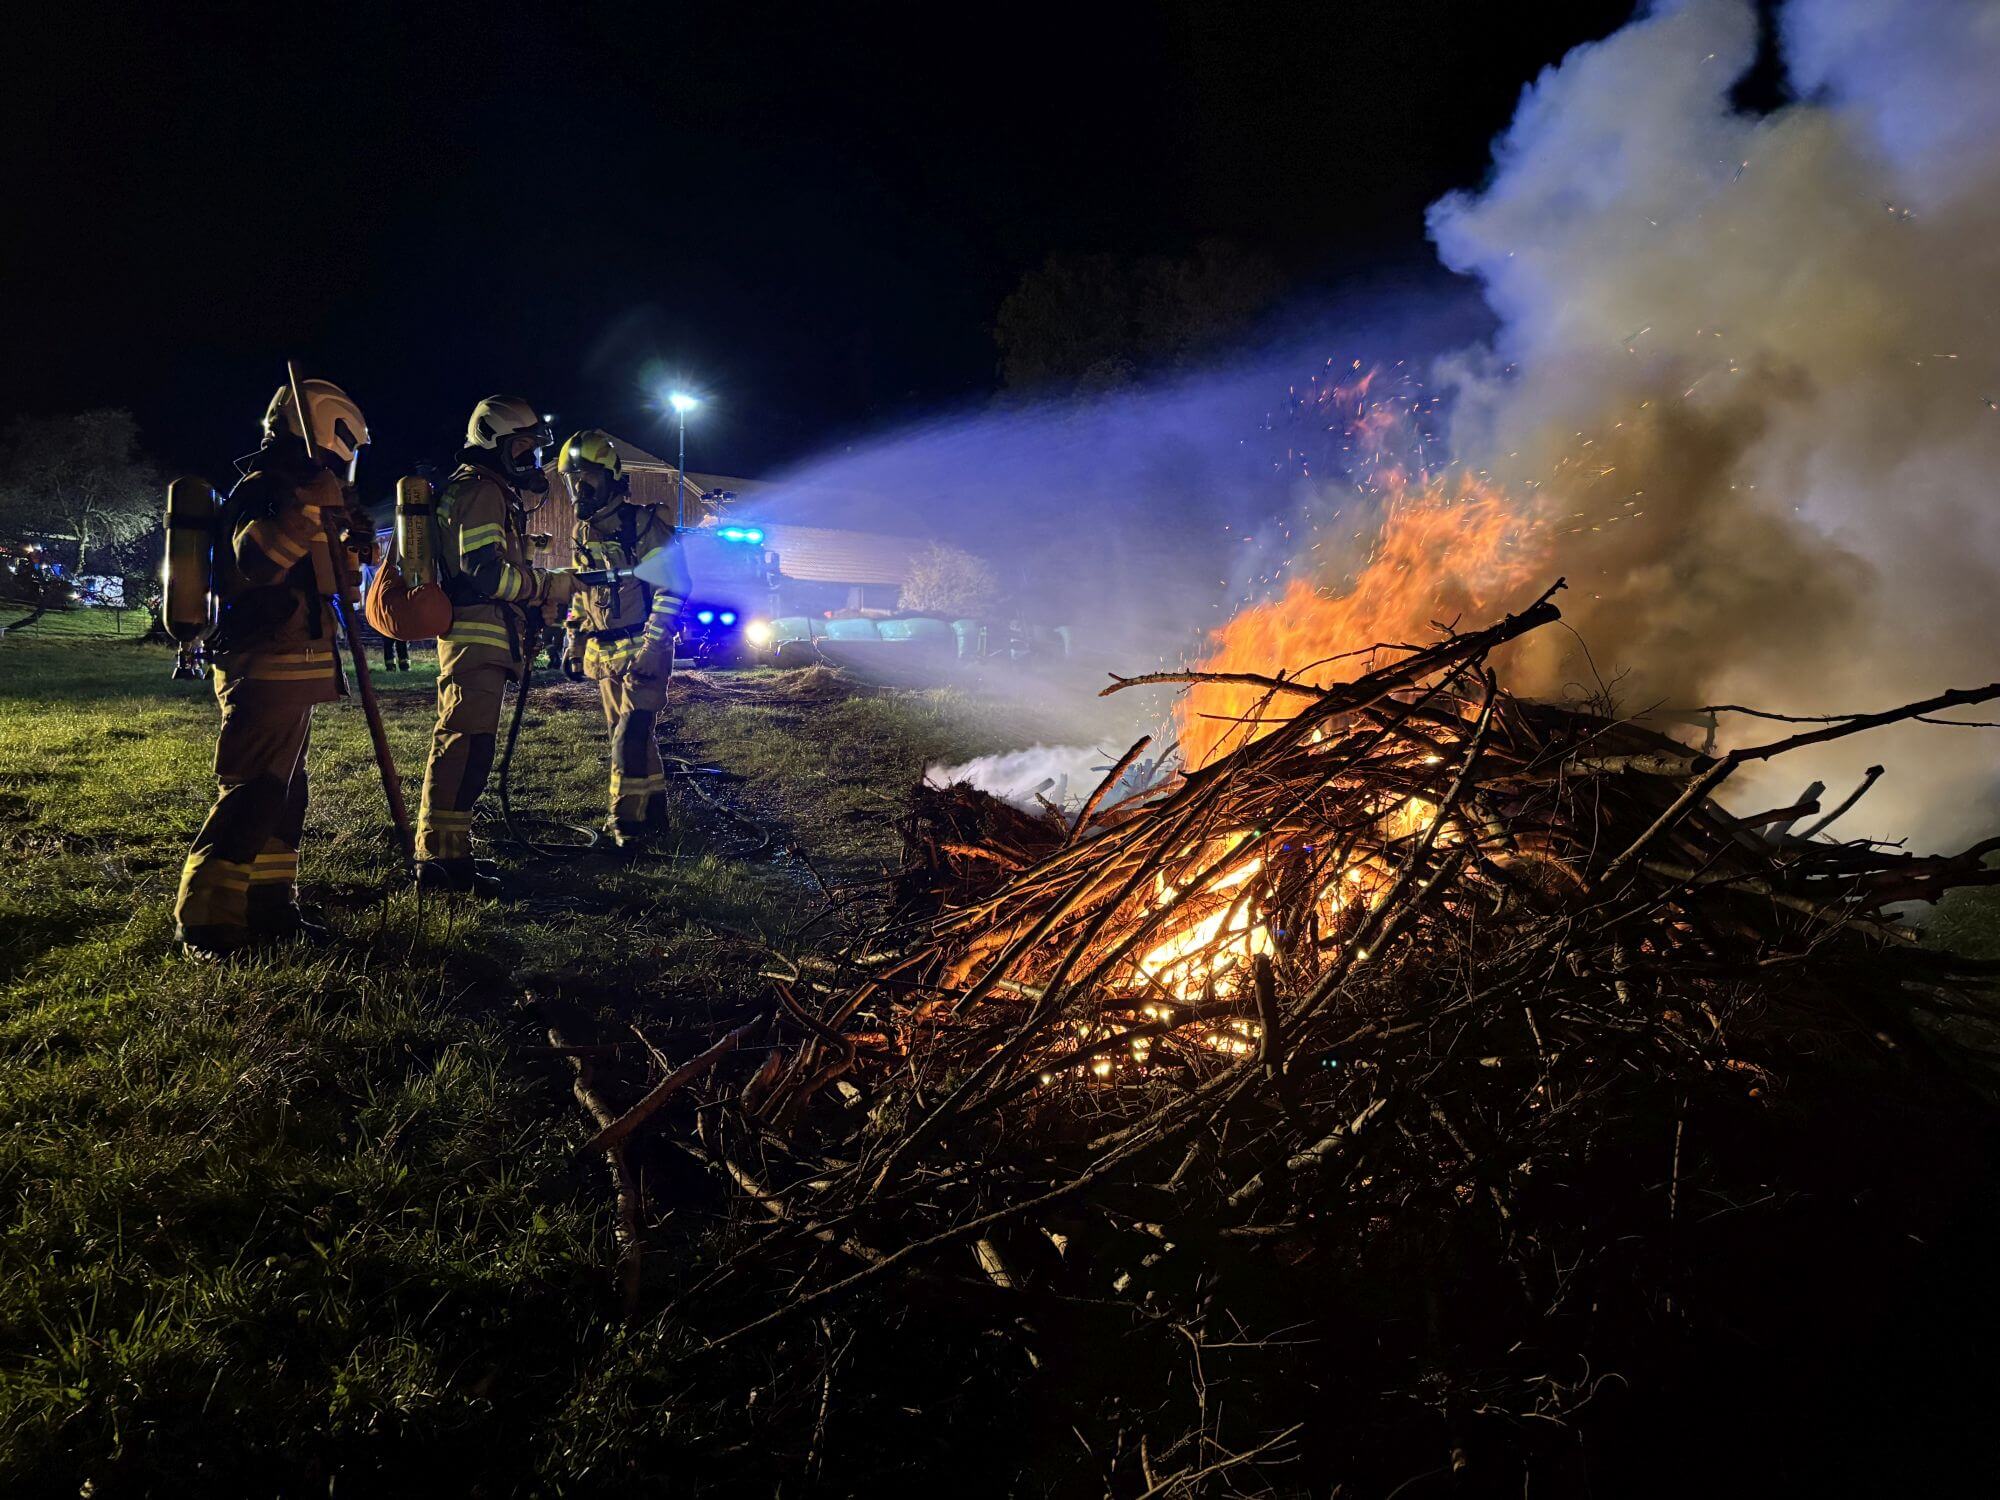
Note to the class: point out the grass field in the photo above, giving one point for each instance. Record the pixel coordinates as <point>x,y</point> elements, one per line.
<point>313,1223</point>
<point>310,1223</point>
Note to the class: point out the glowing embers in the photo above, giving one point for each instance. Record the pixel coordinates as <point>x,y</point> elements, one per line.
<point>1211,953</point>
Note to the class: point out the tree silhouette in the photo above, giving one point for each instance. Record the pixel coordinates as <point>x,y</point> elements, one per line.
<point>81,478</point>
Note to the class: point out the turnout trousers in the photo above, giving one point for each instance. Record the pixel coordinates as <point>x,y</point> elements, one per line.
<point>470,685</point>
<point>242,871</point>
<point>632,705</point>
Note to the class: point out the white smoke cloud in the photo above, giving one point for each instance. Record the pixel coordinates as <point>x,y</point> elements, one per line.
<point>1748,365</point>
<point>1065,774</point>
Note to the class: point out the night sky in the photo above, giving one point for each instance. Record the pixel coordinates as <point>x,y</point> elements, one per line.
<point>809,213</point>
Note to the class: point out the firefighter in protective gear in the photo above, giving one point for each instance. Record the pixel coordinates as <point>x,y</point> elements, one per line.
<point>274,660</point>
<point>499,599</point>
<point>621,635</point>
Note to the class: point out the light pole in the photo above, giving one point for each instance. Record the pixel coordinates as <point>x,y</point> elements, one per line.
<point>682,403</point>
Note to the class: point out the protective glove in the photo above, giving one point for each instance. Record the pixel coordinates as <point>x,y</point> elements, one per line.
<point>359,534</point>
<point>558,587</point>
<point>655,659</point>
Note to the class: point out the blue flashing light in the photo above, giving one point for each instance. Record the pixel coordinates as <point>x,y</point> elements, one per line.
<point>728,617</point>
<point>752,534</point>
<point>705,616</point>
<point>749,534</point>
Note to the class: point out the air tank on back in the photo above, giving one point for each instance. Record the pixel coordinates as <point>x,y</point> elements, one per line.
<point>187,579</point>
<point>414,504</point>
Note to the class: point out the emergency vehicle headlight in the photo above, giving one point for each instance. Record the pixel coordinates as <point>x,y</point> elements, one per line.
<point>758,632</point>
<point>728,617</point>
<point>705,616</point>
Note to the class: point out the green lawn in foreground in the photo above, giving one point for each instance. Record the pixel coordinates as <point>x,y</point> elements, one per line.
<point>313,1218</point>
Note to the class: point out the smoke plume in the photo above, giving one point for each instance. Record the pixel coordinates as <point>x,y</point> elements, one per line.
<point>1748,368</point>
<point>1062,773</point>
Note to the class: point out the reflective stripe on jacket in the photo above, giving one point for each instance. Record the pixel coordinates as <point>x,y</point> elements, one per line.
<point>630,625</point>
<point>483,560</point>
<point>275,627</point>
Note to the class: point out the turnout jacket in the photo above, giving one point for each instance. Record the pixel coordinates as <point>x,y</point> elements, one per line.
<point>627,627</point>
<point>273,574</point>
<point>482,558</point>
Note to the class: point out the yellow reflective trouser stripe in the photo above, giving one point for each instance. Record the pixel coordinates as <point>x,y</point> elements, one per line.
<point>213,893</point>
<point>621,784</point>
<point>478,633</point>
<point>274,867</point>
<point>290,666</point>
<point>444,834</point>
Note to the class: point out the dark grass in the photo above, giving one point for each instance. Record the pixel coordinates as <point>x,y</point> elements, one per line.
<point>313,1220</point>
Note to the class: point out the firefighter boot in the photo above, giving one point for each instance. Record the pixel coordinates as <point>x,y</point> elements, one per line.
<point>211,944</point>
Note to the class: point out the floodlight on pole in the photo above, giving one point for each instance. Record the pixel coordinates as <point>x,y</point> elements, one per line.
<point>682,403</point>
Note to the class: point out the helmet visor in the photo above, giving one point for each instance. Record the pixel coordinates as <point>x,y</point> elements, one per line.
<point>540,437</point>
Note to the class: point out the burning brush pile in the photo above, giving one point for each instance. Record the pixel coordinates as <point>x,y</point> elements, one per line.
<point>1465,1036</point>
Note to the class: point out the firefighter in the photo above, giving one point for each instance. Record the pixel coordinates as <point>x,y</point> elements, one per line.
<point>274,660</point>
<point>498,600</point>
<point>621,635</point>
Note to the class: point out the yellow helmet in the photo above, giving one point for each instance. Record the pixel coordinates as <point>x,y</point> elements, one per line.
<point>590,465</point>
<point>591,446</point>
<point>338,428</point>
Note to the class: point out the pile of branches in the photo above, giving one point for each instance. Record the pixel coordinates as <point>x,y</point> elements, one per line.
<point>1467,1033</point>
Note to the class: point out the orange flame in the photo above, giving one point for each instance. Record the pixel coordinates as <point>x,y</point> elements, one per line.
<point>1447,547</point>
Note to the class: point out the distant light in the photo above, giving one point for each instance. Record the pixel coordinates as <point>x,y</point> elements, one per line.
<point>732,533</point>
<point>753,535</point>
<point>740,534</point>
<point>682,402</point>
<point>729,617</point>
<point>705,616</point>
<point>758,632</point>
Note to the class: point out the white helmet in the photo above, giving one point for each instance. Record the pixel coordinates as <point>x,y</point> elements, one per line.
<point>498,418</point>
<point>338,428</point>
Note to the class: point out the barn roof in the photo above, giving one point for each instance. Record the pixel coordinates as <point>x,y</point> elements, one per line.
<point>819,554</point>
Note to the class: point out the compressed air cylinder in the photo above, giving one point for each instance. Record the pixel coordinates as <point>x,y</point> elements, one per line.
<point>414,497</point>
<point>187,583</point>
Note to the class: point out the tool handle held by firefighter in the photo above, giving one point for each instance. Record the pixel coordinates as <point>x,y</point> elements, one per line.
<point>343,596</point>
<point>378,735</point>
<point>325,580</point>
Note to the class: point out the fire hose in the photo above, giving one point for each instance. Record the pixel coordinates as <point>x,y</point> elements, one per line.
<point>531,647</point>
